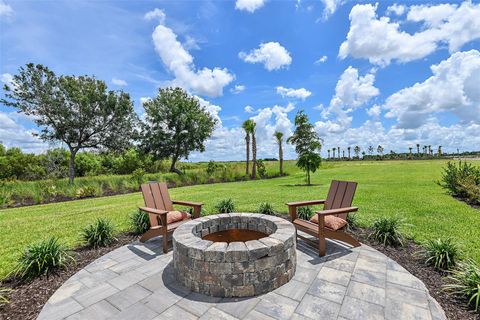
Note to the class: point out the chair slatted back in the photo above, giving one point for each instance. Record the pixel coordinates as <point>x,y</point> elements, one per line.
<point>340,195</point>
<point>156,196</point>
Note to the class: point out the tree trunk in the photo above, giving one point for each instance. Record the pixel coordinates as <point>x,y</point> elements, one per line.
<point>280,156</point>
<point>173,167</point>
<point>247,143</point>
<point>308,177</point>
<point>71,166</point>
<point>254,156</point>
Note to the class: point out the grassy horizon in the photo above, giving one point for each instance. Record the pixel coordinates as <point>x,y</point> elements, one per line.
<point>406,189</point>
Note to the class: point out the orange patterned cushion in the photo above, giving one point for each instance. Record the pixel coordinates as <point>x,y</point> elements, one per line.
<point>175,216</point>
<point>331,222</point>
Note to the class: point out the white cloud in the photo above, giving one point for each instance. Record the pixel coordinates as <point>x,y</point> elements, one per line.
<point>7,79</point>
<point>209,82</point>
<point>237,89</point>
<point>144,99</point>
<point>156,14</point>
<point>351,92</point>
<point>330,6</point>
<point>375,111</point>
<point>249,109</point>
<point>301,93</point>
<point>13,134</point>
<point>5,9</point>
<point>397,9</point>
<point>249,5</point>
<point>380,40</point>
<point>271,54</point>
<point>453,87</point>
<point>119,82</point>
<point>322,59</point>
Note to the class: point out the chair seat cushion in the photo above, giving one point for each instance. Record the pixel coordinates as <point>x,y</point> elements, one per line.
<point>175,216</point>
<point>332,222</point>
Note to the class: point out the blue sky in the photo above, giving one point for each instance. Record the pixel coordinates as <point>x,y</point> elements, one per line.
<point>392,73</point>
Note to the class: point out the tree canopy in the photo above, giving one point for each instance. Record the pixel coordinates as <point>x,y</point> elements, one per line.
<point>78,111</point>
<point>175,125</point>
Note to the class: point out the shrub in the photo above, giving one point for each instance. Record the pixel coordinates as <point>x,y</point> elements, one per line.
<point>266,208</point>
<point>386,231</point>
<point>99,234</point>
<point>225,206</point>
<point>262,171</point>
<point>140,222</point>
<point>470,189</point>
<point>466,283</point>
<point>352,221</point>
<point>440,253</point>
<point>86,192</point>
<point>42,258</point>
<point>211,167</point>
<point>138,176</point>
<point>455,178</point>
<point>4,296</point>
<point>305,213</point>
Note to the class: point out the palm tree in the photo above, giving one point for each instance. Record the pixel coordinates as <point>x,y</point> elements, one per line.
<point>338,149</point>
<point>254,151</point>
<point>410,149</point>
<point>279,136</point>
<point>439,151</point>
<point>418,148</point>
<point>247,126</point>
<point>343,154</point>
<point>429,149</point>
<point>333,149</point>
<point>380,150</point>
<point>356,150</point>
<point>348,152</point>
<point>328,153</point>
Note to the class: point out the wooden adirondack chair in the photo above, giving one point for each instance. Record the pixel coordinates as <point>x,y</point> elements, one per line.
<point>158,205</point>
<point>338,203</point>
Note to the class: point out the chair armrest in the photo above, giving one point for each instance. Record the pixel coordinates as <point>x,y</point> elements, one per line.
<point>153,210</point>
<point>305,203</point>
<point>187,203</point>
<point>336,211</point>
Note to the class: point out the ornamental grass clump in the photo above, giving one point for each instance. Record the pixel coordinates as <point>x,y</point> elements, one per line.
<point>99,234</point>
<point>266,208</point>
<point>386,231</point>
<point>42,258</point>
<point>352,221</point>
<point>4,296</point>
<point>466,283</point>
<point>225,206</point>
<point>139,222</point>
<point>440,253</point>
<point>305,213</point>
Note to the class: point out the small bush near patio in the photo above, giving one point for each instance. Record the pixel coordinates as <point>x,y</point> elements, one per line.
<point>462,181</point>
<point>225,206</point>
<point>386,231</point>
<point>99,234</point>
<point>352,221</point>
<point>440,253</point>
<point>4,296</point>
<point>42,258</point>
<point>140,222</point>
<point>266,208</point>
<point>305,213</point>
<point>86,192</point>
<point>466,283</point>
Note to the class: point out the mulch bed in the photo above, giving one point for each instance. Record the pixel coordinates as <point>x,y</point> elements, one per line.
<point>455,307</point>
<point>28,298</point>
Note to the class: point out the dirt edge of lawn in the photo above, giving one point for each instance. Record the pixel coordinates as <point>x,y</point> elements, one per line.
<point>27,299</point>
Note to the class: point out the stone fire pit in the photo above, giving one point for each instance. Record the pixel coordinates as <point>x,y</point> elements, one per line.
<point>237,268</point>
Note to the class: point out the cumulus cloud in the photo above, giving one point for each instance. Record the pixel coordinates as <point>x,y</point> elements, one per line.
<point>330,6</point>
<point>375,111</point>
<point>249,109</point>
<point>7,79</point>
<point>453,87</point>
<point>301,93</point>
<point>13,134</point>
<point>208,82</point>
<point>237,89</point>
<point>119,82</point>
<point>396,9</point>
<point>352,91</point>
<point>271,54</point>
<point>249,5</point>
<point>322,59</point>
<point>155,14</point>
<point>5,9</point>
<point>380,40</point>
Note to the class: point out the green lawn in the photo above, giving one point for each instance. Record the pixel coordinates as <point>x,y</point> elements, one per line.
<point>402,188</point>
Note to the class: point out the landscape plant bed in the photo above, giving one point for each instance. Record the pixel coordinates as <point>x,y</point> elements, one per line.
<point>455,307</point>
<point>28,298</point>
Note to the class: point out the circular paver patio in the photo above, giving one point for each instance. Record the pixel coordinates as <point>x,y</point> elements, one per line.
<point>136,281</point>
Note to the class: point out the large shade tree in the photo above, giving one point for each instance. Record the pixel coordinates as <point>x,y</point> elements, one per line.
<point>79,111</point>
<point>307,145</point>
<point>175,125</point>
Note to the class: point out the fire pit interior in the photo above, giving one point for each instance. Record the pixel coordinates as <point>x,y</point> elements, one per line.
<point>235,254</point>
